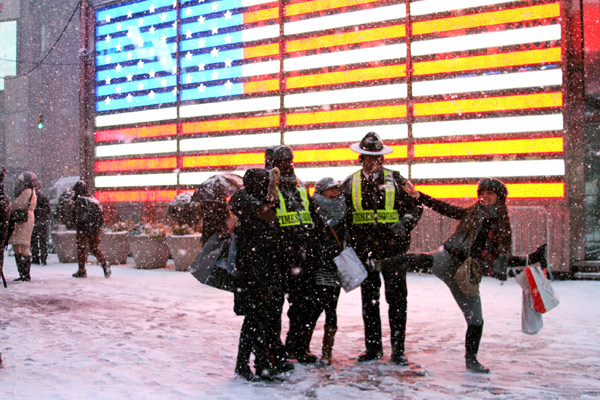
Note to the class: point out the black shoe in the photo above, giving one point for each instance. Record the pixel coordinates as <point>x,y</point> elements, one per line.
<point>399,359</point>
<point>306,358</point>
<point>245,373</point>
<point>35,261</point>
<point>22,279</point>
<point>283,366</point>
<point>106,269</point>
<point>474,366</point>
<point>80,274</point>
<point>370,356</point>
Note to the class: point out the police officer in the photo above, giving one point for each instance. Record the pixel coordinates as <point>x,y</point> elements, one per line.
<point>379,218</point>
<point>296,219</point>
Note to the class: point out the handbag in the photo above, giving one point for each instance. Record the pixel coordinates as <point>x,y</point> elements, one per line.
<point>210,266</point>
<point>469,274</point>
<point>351,270</point>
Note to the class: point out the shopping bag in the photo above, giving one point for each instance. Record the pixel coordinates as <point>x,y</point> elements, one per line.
<point>351,270</point>
<point>210,266</point>
<point>531,320</point>
<point>543,296</point>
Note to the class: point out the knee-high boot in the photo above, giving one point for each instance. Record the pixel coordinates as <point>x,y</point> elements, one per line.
<point>23,266</point>
<point>328,340</point>
<point>472,339</point>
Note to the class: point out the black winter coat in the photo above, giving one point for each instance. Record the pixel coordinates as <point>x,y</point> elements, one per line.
<point>5,210</point>
<point>378,241</point>
<point>42,210</point>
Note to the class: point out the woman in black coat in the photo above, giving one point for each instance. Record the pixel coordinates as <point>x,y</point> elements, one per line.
<point>259,281</point>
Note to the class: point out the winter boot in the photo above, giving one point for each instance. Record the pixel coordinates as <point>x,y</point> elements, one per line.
<point>106,269</point>
<point>81,273</point>
<point>328,340</point>
<point>472,339</point>
<point>35,260</point>
<point>23,266</point>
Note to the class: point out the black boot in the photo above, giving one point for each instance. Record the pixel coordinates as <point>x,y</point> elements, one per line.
<point>23,266</point>
<point>472,339</point>
<point>244,350</point>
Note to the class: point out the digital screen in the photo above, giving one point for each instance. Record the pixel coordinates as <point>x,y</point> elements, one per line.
<point>460,90</point>
<point>8,50</point>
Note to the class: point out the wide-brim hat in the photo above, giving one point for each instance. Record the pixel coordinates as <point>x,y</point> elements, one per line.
<point>371,145</point>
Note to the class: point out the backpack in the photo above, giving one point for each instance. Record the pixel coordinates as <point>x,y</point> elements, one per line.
<point>91,214</point>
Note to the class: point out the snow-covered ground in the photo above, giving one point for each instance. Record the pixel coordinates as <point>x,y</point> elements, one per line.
<point>159,334</point>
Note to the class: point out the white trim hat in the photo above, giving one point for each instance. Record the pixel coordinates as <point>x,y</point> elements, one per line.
<point>371,145</point>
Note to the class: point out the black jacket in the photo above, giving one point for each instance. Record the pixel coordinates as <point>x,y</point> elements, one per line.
<point>5,210</point>
<point>378,241</point>
<point>42,210</point>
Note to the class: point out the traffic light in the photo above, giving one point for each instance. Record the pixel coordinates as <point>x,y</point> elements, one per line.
<point>40,121</point>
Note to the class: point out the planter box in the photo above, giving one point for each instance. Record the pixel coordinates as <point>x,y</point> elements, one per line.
<point>115,247</point>
<point>149,251</point>
<point>184,249</point>
<point>65,246</point>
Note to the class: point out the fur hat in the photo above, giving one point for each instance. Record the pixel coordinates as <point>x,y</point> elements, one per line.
<point>493,185</point>
<point>371,145</point>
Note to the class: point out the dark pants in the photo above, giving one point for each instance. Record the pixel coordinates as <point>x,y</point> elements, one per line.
<point>326,299</point>
<point>39,243</point>
<point>92,240</point>
<point>302,313</point>
<point>395,295</point>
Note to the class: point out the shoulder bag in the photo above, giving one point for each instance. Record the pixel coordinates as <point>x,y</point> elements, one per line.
<point>469,274</point>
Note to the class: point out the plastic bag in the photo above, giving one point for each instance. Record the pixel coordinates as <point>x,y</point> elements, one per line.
<point>351,270</point>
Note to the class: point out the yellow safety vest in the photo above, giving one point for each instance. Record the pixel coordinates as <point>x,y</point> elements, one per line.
<point>293,218</point>
<point>361,216</point>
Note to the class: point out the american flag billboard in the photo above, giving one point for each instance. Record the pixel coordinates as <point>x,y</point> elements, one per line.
<point>459,89</point>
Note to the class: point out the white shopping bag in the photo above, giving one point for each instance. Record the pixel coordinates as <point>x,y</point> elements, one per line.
<point>531,320</point>
<point>543,296</point>
<point>351,270</point>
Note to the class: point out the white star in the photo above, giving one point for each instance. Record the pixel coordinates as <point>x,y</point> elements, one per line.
<point>140,64</point>
<point>201,43</point>
<point>151,30</point>
<point>201,20</point>
<point>214,75</point>
<point>201,88</point>
<point>228,85</point>
<point>228,38</point>
<point>215,6</point>
<point>107,101</point>
<point>107,59</point>
<point>188,12</point>
<point>174,3</point>
<point>228,14</point>
<point>163,60</point>
<point>174,91</point>
<point>118,26</point>
<point>188,78</point>
<point>129,98</point>
<point>140,86</point>
<point>151,8</point>
<point>175,25</point>
<point>174,47</point>
<point>107,39</point>
<point>174,70</point>
<point>163,17</point>
<point>129,77</point>
<point>215,30</point>
<point>214,52</point>
<point>140,21</point>
<point>118,68</point>
<point>107,80</point>
<point>129,55</point>
<point>107,19</point>
<point>163,82</point>
<point>140,43</point>
<point>201,66</point>
<point>163,39</point>
<point>152,51</point>
<point>129,34</point>
<point>118,89</point>
<point>188,56</point>
<point>118,48</point>
<point>152,73</point>
<point>188,34</point>
<point>129,13</point>
<point>151,94</point>
<point>228,62</point>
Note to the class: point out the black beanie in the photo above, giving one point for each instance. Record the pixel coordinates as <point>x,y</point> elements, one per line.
<point>493,185</point>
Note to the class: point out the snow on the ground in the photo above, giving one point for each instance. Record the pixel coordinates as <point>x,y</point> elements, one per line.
<point>159,334</point>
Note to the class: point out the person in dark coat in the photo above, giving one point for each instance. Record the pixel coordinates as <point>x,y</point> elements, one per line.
<point>483,233</point>
<point>86,232</point>
<point>298,227</point>
<point>5,207</point>
<point>39,237</point>
<point>259,281</point>
<point>379,217</point>
<point>20,238</point>
<point>331,207</point>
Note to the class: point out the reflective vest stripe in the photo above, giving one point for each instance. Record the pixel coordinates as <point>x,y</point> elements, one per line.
<point>294,218</point>
<point>360,216</point>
